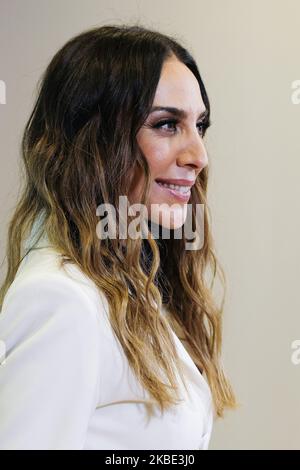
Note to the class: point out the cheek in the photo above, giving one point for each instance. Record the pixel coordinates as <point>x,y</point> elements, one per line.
<point>157,151</point>
<point>134,192</point>
<point>159,157</point>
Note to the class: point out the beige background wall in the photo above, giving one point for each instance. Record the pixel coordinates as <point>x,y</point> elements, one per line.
<point>248,54</point>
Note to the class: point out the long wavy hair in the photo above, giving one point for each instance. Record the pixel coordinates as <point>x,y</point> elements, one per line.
<point>79,150</point>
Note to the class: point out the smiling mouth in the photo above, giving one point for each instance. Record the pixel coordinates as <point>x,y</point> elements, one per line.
<point>175,187</point>
<point>179,192</point>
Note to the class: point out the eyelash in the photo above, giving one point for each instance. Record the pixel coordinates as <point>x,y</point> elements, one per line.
<point>203,124</point>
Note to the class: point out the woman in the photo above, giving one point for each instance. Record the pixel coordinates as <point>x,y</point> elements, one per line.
<point>112,342</point>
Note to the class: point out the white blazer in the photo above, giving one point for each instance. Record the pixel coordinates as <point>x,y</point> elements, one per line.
<point>65,382</point>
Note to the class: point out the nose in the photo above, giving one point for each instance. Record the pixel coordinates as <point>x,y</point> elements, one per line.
<point>194,153</point>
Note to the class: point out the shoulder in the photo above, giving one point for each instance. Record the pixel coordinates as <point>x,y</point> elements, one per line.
<point>43,293</point>
<point>53,330</point>
<point>46,261</point>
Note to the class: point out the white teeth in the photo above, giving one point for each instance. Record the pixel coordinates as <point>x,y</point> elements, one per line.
<point>181,189</point>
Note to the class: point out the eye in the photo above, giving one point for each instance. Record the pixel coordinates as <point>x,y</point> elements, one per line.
<point>202,125</point>
<point>165,122</point>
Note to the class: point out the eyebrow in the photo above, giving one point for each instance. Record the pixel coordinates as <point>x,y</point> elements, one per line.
<point>180,113</point>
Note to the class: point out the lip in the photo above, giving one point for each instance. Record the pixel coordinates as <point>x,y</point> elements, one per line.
<point>175,194</point>
<point>179,182</point>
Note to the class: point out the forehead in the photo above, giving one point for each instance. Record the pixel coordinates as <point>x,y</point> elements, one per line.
<point>178,87</point>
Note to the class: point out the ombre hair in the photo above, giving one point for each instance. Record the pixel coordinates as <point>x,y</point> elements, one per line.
<point>79,150</point>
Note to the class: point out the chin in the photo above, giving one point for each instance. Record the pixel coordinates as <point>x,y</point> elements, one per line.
<point>169,219</point>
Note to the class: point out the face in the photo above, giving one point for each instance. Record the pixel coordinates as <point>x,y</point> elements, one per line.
<point>173,145</point>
